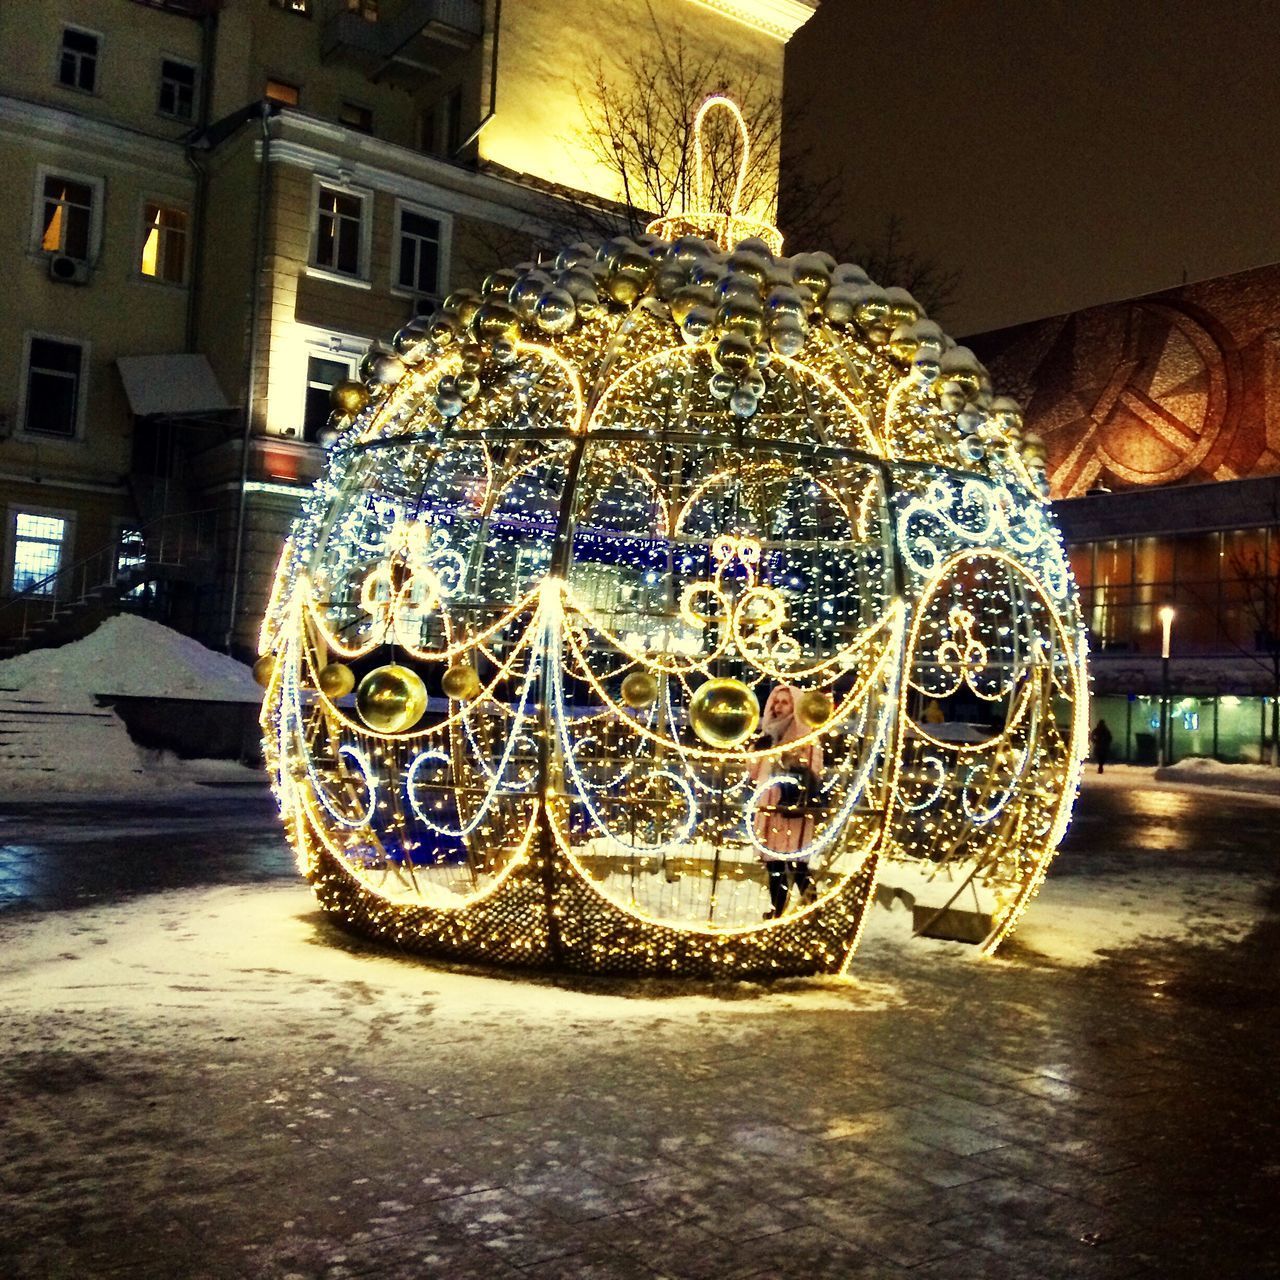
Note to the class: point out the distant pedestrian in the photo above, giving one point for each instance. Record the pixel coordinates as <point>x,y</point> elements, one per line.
<point>1101,741</point>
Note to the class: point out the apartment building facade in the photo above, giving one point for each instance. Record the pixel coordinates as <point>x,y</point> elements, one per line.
<point>216,206</point>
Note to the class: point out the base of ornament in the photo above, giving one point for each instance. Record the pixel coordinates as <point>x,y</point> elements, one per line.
<point>557,921</point>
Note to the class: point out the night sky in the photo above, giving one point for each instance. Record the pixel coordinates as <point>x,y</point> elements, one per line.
<point>1059,153</point>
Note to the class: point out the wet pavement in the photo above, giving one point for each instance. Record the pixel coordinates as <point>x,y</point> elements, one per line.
<point>192,1089</point>
<point>74,853</point>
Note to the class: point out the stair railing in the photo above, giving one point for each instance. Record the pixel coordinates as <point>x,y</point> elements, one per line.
<point>171,541</point>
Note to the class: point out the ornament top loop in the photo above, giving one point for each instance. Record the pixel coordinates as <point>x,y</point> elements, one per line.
<point>727,227</point>
<point>719,100</point>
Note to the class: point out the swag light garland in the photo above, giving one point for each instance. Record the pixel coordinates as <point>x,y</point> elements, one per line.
<point>574,530</point>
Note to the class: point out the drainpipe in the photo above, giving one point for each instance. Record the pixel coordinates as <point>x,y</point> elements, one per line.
<point>208,51</point>
<point>493,84</point>
<point>251,372</point>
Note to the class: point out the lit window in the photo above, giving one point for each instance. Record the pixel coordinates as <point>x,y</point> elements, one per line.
<point>283,92</point>
<point>367,9</point>
<point>164,250</point>
<point>293,6</point>
<point>337,246</point>
<point>322,375</point>
<point>53,388</point>
<point>177,90</point>
<point>68,217</point>
<point>78,60</point>
<point>356,117</point>
<point>37,552</point>
<point>419,269</point>
<point>131,561</point>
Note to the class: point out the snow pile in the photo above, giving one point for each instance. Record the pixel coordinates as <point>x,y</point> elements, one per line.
<point>1213,773</point>
<point>131,656</point>
<point>54,737</point>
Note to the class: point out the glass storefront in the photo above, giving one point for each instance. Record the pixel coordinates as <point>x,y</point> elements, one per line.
<point>1234,730</point>
<point>1225,587</point>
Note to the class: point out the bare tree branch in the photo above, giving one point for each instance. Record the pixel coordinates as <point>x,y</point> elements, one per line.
<point>639,113</point>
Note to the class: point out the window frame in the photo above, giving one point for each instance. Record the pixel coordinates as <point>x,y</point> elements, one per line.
<point>97,59</point>
<point>176,206</point>
<point>24,379</point>
<point>348,104</point>
<point>195,89</point>
<point>95,184</point>
<point>363,278</point>
<point>12,511</point>
<point>337,352</point>
<point>443,264</point>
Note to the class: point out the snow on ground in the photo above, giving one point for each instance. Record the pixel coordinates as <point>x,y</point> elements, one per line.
<point>55,738</point>
<point>1075,920</point>
<point>1213,773</point>
<point>132,656</point>
<point>270,951</point>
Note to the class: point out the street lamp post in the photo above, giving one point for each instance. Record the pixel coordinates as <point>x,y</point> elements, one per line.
<point>1166,621</point>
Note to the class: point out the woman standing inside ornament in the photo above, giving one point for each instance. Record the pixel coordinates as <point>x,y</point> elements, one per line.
<point>784,820</point>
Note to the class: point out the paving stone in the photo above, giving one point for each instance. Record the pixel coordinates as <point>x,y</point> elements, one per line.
<point>1015,1119</point>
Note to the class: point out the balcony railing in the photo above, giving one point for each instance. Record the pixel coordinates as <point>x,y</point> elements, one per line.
<point>417,37</point>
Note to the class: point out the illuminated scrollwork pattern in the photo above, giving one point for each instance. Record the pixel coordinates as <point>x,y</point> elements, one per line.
<point>646,573</point>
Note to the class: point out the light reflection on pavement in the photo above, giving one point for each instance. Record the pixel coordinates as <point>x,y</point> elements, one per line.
<point>59,855</point>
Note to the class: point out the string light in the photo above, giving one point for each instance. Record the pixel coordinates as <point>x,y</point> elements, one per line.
<point>671,460</point>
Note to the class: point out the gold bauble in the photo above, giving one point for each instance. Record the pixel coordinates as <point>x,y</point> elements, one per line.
<point>460,681</point>
<point>463,303</point>
<point>724,713</point>
<point>734,354</point>
<point>349,397</point>
<point>814,708</point>
<point>263,668</point>
<point>624,288</point>
<point>640,689</point>
<point>391,699</point>
<point>494,320</point>
<point>336,680</point>
<point>739,315</point>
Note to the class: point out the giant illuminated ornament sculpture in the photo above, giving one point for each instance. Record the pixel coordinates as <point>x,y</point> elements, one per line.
<point>580,528</point>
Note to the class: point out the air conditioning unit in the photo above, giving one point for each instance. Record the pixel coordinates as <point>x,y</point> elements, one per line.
<point>64,269</point>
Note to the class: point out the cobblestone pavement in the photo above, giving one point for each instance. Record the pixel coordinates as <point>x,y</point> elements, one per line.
<point>185,1091</point>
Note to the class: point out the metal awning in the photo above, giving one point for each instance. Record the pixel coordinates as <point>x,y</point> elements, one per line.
<point>171,386</point>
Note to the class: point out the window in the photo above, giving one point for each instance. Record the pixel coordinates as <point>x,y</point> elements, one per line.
<point>442,126</point>
<point>164,246</point>
<point>293,6</point>
<point>53,388</point>
<point>67,222</point>
<point>37,551</point>
<point>418,262</point>
<point>356,117</point>
<point>338,232</point>
<point>283,92</point>
<point>131,562</point>
<point>452,130</point>
<point>177,90</point>
<point>78,60</point>
<point>367,9</point>
<point>323,372</point>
